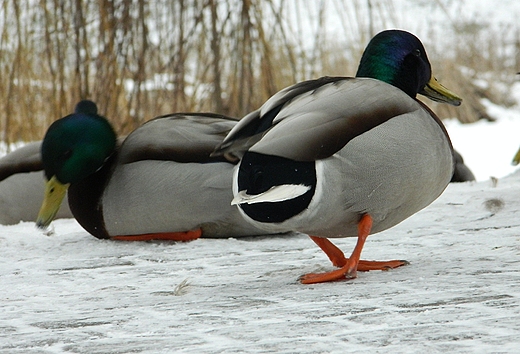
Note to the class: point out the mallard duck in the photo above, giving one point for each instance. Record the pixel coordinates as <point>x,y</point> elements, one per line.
<point>20,188</point>
<point>160,183</point>
<point>461,173</point>
<point>345,157</point>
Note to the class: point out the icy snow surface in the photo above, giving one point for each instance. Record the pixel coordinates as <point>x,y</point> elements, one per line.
<point>73,293</point>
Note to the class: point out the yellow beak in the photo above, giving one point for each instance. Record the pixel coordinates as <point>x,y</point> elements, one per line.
<point>54,194</point>
<point>436,92</point>
<point>516,159</point>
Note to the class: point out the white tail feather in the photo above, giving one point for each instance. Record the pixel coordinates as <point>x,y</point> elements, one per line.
<point>274,194</point>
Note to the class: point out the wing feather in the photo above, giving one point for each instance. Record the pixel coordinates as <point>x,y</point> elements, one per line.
<point>318,122</point>
<point>183,137</point>
<point>24,159</point>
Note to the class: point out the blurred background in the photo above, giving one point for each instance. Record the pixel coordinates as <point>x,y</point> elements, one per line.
<point>141,58</point>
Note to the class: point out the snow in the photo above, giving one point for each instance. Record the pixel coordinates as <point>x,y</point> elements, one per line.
<point>487,147</point>
<point>71,292</point>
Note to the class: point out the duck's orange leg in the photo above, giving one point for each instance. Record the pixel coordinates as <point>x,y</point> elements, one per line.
<point>336,256</point>
<point>349,266</point>
<point>169,236</point>
<point>338,259</point>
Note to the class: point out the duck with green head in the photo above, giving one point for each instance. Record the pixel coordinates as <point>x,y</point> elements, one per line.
<point>343,156</point>
<point>21,185</point>
<point>74,147</point>
<point>160,183</point>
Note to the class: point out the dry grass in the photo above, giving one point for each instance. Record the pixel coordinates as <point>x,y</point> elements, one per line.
<point>141,58</point>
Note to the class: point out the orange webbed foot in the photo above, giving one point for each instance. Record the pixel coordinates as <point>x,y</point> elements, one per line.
<point>345,274</point>
<point>348,266</point>
<point>166,236</point>
<point>338,259</point>
<point>365,266</point>
<point>339,274</point>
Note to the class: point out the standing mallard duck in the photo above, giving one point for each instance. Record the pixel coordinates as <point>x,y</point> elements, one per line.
<point>160,183</point>
<point>345,157</point>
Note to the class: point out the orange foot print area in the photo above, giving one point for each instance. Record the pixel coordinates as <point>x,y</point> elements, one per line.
<point>348,266</point>
<point>168,236</point>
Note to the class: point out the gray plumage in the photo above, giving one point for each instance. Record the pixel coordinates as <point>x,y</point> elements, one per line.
<point>164,181</point>
<point>377,152</point>
<point>21,191</point>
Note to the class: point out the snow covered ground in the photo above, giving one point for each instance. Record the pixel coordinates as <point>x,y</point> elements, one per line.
<point>72,293</point>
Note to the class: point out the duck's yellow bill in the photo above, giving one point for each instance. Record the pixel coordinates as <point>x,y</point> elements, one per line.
<point>54,194</point>
<point>436,92</point>
<point>516,159</point>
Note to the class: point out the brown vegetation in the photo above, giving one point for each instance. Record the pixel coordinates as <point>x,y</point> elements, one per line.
<point>141,58</point>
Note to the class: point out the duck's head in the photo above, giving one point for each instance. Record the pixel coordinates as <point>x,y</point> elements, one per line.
<point>399,58</point>
<point>73,148</point>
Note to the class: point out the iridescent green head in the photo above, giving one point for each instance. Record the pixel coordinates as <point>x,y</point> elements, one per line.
<point>399,59</point>
<point>77,145</point>
<point>73,148</point>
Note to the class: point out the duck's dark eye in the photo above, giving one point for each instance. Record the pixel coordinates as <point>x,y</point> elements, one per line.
<point>417,52</point>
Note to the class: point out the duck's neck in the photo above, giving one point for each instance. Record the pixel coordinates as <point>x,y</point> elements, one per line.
<point>377,69</point>
<point>391,71</point>
<point>85,199</point>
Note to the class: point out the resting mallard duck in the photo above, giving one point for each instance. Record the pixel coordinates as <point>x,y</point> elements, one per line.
<point>159,184</point>
<point>462,173</point>
<point>21,189</point>
<point>345,157</point>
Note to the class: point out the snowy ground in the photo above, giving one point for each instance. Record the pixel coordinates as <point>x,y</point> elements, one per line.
<point>72,293</point>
